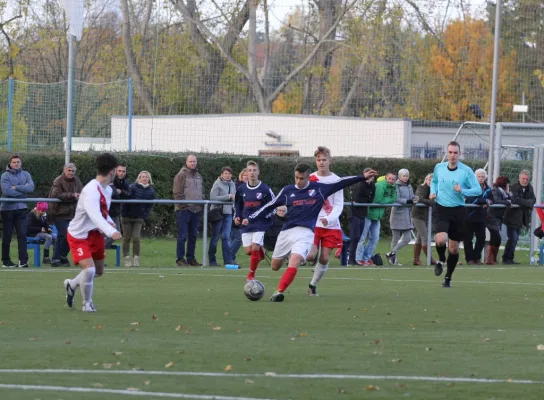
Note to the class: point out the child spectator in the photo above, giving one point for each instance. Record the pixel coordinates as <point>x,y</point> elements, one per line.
<point>37,226</point>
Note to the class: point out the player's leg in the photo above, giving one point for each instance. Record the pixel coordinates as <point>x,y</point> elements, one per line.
<point>298,241</point>
<point>312,255</point>
<point>330,239</point>
<point>455,235</point>
<point>441,225</point>
<point>256,253</point>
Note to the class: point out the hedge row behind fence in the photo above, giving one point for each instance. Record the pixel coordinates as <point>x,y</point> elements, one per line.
<point>275,172</point>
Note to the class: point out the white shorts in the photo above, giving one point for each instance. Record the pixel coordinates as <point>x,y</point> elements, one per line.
<point>252,237</point>
<point>297,240</point>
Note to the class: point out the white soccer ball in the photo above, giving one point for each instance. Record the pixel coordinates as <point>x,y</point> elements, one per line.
<point>254,290</point>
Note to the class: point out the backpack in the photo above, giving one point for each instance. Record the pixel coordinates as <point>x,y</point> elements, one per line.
<point>377,259</point>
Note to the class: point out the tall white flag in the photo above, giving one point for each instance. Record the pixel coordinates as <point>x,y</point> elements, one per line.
<point>74,12</point>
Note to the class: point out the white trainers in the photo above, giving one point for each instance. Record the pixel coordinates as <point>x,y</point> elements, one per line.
<point>88,307</point>
<point>136,262</point>
<point>128,262</point>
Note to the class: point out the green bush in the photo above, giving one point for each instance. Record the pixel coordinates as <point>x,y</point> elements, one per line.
<point>275,172</point>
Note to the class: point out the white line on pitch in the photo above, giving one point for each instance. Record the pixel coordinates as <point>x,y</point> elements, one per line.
<point>272,375</point>
<point>124,392</point>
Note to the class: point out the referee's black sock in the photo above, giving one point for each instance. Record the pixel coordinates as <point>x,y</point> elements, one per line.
<point>441,250</point>
<point>452,263</point>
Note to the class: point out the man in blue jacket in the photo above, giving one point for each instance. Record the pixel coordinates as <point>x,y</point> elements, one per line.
<point>16,184</point>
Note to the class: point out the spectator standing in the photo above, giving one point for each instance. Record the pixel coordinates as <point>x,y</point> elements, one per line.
<point>363,192</point>
<point>37,226</point>
<point>495,215</point>
<point>66,187</point>
<point>188,185</point>
<point>120,190</point>
<point>419,219</point>
<point>134,215</point>
<point>475,221</point>
<point>223,189</point>
<point>16,184</point>
<point>400,219</point>
<point>518,217</point>
<point>386,193</point>
<point>236,230</point>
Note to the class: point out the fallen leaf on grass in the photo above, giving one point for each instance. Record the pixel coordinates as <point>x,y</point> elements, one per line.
<point>302,334</point>
<point>450,384</point>
<point>341,391</point>
<point>228,368</point>
<point>238,330</point>
<point>67,342</point>
<point>135,323</point>
<point>146,383</point>
<point>99,327</point>
<point>179,328</point>
<point>169,365</point>
<point>118,363</point>
<point>396,360</point>
<point>180,351</point>
<point>540,347</point>
<point>106,365</point>
<point>95,364</point>
<point>217,328</point>
<point>249,381</point>
<point>377,341</point>
<point>435,321</point>
<point>3,322</point>
<point>226,313</point>
<point>33,339</point>
<point>428,348</point>
<point>188,332</point>
<point>98,385</point>
<point>372,387</point>
<point>154,317</point>
<point>485,340</point>
<point>117,353</point>
<point>249,358</point>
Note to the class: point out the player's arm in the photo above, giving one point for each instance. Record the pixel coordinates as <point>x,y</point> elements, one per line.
<point>472,188</point>
<point>338,201</point>
<point>91,204</point>
<point>540,213</point>
<point>329,188</point>
<point>280,200</point>
<point>434,183</point>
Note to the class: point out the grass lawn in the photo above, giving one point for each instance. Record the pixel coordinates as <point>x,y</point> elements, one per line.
<point>381,333</point>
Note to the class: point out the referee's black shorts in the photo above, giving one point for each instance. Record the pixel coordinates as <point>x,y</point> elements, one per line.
<point>450,220</point>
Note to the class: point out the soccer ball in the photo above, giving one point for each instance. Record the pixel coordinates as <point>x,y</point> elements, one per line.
<point>254,290</point>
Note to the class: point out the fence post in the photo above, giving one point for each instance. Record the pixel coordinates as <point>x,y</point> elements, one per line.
<point>205,237</point>
<point>129,115</point>
<point>10,111</point>
<point>429,234</point>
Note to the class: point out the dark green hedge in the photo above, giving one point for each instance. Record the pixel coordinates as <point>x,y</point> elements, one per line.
<point>275,172</point>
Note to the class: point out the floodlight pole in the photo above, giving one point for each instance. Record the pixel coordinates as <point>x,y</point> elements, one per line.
<point>70,97</point>
<point>492,167</point>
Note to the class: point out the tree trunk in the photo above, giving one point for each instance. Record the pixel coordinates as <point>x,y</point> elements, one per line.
<point>256,87</point>
<point>313,102</point>
<point>132,64</point>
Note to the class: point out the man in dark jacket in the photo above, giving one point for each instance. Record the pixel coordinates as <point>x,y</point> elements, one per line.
<point>363,192</point>
<point>67,188</point>
<point>475,221</point>
<point>16,184</point>
<point>188,185</point>
<point>518,217</point>
<point>120,190</point>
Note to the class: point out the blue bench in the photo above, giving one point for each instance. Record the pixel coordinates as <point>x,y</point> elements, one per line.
<point>35,245</point>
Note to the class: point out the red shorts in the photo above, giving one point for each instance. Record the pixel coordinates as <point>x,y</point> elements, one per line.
<point>329,238</point>
<point>90,247</point>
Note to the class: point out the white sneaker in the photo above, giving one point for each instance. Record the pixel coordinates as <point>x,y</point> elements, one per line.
<point>128,262</point>
<point>88,307</point>
<point>136,262</point>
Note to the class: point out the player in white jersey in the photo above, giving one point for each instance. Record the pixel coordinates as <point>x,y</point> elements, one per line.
<point>85,232</point>
<point>328,232</point>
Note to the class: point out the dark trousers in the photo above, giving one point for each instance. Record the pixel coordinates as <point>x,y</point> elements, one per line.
<point>188,223</point>
<point>474,253</point>
<point>235,241</point>
<point>221,229</point>
<point>61,248</point>
<point>14,219</point>
<point>357,224</point>
<point>511,243</point>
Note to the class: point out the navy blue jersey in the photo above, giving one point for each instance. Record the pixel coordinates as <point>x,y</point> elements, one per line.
<point>249,199</point>
<point>304,205</point>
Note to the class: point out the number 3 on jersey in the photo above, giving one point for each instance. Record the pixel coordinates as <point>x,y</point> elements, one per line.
<point>79,251</point>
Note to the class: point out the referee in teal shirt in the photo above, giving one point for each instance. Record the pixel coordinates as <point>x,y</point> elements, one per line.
<point>452,182</point>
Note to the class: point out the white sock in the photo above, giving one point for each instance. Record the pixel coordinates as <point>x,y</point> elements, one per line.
<point>86,283</point>
<point>319,271</point>
<point>74,283</point>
